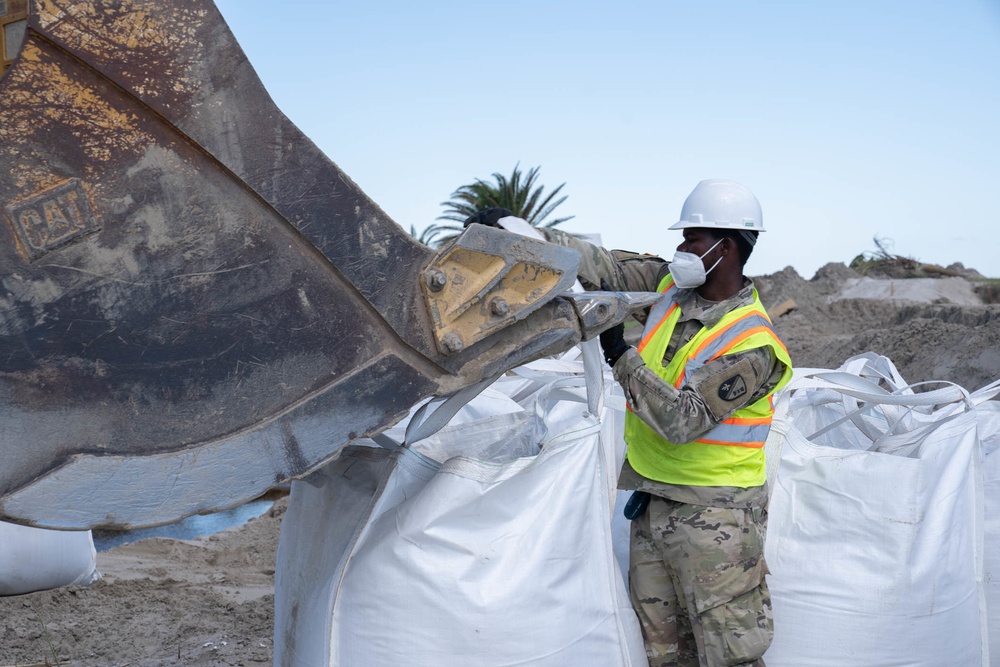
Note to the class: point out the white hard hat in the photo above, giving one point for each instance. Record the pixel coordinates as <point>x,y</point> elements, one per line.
<point>721,203</point>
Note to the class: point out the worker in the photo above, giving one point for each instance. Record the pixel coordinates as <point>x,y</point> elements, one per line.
<point>698,387</point>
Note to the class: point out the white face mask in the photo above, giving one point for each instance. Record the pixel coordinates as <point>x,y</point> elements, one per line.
<point>688,270</point>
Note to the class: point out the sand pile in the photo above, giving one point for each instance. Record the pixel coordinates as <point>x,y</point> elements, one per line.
<point>932,329</point>
<point>210,601</point>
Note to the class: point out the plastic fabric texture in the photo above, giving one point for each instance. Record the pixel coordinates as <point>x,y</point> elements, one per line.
<point>988,419</point>
<point>875,531</point>
<point>490,543</point>
<point>35,559</point>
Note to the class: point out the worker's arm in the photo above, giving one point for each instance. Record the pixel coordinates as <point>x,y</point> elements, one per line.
<point>702,402</point>
<point>620,270</point>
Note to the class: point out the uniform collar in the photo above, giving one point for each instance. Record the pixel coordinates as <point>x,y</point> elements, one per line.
<point>693,307</point>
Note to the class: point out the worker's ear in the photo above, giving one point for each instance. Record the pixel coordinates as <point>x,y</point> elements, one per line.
<point>726,245</point>
<point>732,246</point>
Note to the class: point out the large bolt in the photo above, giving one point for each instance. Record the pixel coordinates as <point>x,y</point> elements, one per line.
<point>452,343</point>
<point>436,280</point>
<point>499,307</point>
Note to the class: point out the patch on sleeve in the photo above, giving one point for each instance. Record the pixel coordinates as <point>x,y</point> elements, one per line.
<point>733,388</point>
<point>728,389</point>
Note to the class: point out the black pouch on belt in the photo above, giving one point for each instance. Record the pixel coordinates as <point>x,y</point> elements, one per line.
<point>636,505</point>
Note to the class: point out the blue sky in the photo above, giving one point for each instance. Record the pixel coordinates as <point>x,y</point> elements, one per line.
<point>848,120</point>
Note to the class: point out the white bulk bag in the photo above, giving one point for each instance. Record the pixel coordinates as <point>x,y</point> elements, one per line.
<point>488,543</point>
<point>988,418</point>
<point>37,559</point>
<point>874,524</point>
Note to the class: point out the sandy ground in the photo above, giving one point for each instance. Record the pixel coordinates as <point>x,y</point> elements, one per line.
<point>210,601</point>
<point>207,601</point>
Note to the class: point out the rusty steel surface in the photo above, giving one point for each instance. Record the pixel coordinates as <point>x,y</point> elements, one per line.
<point>195,302</point>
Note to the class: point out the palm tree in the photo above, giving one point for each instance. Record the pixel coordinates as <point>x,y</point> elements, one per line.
<point>519,194</point>
<point>429,235</point>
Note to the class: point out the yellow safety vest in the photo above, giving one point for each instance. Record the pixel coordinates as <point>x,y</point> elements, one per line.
<point>732,453</point>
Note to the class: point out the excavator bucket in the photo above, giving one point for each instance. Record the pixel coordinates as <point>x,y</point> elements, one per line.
<point>196,303</point>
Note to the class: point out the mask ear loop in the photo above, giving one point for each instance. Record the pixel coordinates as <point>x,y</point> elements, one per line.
<point>713,266</point>
<point>716,261</point>
<point>711,249</point>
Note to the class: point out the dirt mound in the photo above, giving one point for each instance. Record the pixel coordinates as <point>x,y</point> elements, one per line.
<point>932,329</point>
<point>162,602</point>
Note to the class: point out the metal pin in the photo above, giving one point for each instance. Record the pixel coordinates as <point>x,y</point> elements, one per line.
<point>499,307</point>
<point>436,280</point>
<point>453,343</point>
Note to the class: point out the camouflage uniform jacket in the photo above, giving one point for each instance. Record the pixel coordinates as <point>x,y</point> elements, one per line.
<point>679,415</point>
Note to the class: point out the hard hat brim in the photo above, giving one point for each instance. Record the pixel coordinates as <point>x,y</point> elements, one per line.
<point>687,224</point>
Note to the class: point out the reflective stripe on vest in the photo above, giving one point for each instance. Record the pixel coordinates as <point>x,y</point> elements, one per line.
<point>661,311</point>
<point>725,339</point>
<point>732,432</point>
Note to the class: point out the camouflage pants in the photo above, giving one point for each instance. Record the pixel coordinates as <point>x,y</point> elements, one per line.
<point>696,576</point>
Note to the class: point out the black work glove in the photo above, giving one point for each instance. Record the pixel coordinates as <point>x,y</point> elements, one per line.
<point>613,339</point>
<point>613,343</point>
<point>488,217</point>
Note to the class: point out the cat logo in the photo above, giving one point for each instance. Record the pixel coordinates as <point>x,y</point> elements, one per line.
<point>52,218</point>
<point>732,388</point>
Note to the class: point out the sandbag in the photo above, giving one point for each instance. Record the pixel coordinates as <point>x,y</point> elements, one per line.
<point>488,543</point>
<point>988,421</point>
<point>875,524</point>
<point>35,559</point>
